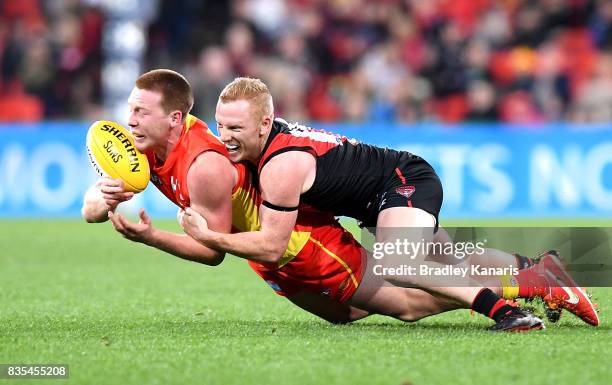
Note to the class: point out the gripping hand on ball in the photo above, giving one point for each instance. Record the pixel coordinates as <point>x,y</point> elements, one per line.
<point>113,192</point>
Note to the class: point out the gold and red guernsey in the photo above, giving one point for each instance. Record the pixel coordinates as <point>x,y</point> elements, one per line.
<point>171,179</point>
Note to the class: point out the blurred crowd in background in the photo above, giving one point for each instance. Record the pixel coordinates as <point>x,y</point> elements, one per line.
<point>50,57</point>
<point>404,61</point>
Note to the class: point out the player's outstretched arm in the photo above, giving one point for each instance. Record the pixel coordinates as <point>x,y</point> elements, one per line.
<point>180,245</point>
<point>102,197</point>
<point>210,181</point>
<point>281,183</point>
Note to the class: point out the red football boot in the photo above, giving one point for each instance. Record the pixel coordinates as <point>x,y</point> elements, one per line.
<point>562,290</point>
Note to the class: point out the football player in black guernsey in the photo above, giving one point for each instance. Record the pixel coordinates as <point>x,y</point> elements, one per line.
<point>395,193</point>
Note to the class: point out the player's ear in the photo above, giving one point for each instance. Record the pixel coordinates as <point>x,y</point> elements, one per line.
<point>176,117</point>
<point>266,124</point>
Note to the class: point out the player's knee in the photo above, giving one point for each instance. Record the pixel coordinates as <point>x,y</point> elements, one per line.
<point>410,316</point>
<point>353,314</point>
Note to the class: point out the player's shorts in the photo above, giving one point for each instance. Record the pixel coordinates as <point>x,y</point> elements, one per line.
<point>414,183</point>
<point>331,264</point>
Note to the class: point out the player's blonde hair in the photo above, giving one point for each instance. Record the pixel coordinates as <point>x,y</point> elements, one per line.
<point>252,90</point>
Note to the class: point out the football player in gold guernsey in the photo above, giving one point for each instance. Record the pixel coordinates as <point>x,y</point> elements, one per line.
<point>158,123</point>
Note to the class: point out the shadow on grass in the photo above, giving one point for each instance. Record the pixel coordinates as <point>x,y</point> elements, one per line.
<point>240,328</point>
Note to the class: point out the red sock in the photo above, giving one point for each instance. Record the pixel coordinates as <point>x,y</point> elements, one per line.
<point>495,313</point>
<point>490,305</point>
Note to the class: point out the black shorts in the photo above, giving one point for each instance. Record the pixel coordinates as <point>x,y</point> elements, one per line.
<point>413,183</point>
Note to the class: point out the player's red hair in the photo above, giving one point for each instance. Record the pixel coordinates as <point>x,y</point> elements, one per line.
<point>174,88</point>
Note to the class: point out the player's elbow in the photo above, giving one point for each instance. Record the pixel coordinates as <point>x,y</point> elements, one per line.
<point>92,217</point>
<point>274,252</point>
<point>89,218</point>
<point>208,257</point>
<point>216,260</point>
<point>272,257</point>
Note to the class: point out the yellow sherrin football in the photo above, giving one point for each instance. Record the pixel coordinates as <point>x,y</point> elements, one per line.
<point>112,154</point>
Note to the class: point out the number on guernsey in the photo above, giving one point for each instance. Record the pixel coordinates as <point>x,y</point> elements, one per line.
<point>302,131</point>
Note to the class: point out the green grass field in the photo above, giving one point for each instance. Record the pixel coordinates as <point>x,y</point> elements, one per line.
<point>122,313</point>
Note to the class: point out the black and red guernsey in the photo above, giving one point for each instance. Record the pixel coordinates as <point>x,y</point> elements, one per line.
<point>356,179</point>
